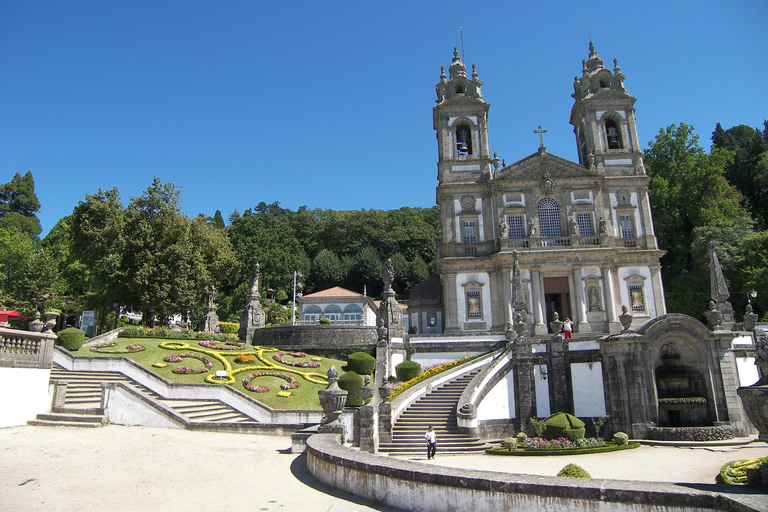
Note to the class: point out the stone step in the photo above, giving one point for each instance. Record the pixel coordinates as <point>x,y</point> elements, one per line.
<point>48,423</point>
<point>71,416</point>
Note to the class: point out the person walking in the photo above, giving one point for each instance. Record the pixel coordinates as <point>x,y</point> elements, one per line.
<point>567,328</point>
<point>431,439</point>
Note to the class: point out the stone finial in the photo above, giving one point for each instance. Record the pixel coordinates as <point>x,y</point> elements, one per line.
<point>388,275</point>
<point>474,72</point>
<point>556,324</point>
<point>442,74</point>
<point>616,68</point>
<point>720,291</point>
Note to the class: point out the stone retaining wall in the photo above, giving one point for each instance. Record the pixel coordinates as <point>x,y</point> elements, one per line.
<point>426,488</point>
<point>316,336</point>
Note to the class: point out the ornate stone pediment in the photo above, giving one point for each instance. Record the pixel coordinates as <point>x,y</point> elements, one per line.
<point>536,166</point>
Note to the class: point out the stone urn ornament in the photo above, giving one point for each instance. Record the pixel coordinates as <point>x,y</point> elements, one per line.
<point>332,400</point>
<point>626,319</point>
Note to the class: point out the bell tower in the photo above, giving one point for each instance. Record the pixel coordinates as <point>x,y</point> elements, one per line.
<point>603,117</point>
<point>460,119</point>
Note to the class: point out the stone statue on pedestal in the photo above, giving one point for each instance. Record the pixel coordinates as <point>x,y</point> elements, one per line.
<point>252,317</point>
<point>211,319</point>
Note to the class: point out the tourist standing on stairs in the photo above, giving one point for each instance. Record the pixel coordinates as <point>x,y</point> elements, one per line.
<point>431,439</point>
<point>567,328</point>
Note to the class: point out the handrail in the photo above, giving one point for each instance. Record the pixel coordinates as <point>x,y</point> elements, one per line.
<point>26,349</point>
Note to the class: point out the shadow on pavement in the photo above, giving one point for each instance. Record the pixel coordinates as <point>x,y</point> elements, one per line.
<point>301,472</point>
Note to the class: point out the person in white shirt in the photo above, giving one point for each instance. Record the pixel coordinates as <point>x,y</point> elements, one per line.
<point>431,439</point>
<point>567,328</point>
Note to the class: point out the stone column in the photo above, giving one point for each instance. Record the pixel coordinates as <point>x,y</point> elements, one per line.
<point>538,314</point>
<point>450,303</point>
<point>658,291</point>
<point>610,301</point>
<point>562,399</point>
<point>385,417</point>
<point>580,298</point>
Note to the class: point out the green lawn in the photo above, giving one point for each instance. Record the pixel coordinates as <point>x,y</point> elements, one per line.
<point>310,380</point>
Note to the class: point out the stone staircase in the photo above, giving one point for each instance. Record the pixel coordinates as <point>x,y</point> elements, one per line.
<point>83,402</point>
<point>436,408</point>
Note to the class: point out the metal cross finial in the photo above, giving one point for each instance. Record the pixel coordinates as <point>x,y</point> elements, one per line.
<point>541,135</point>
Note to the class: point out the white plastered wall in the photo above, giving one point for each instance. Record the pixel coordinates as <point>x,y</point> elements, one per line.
<point>499,403</point>
<point>588,390</point>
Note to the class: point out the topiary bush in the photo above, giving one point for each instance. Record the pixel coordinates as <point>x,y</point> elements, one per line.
<point>510,444</point>
<point>407,370</point>
<point>352,383</point>
<point>70,338</point>
<point>620,438</point>
<point>562,424</point>
<point>228,327</point>
<point>521,437</point>
<point>361,363</point>
<point>325,321</point>
<point>573,471</point>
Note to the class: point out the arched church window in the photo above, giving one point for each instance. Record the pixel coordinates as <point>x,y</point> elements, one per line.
<point>459,90</point>
<point>463,140</point>
<point>604,84</point>
<point>549,218</point>
<point>613,134</point>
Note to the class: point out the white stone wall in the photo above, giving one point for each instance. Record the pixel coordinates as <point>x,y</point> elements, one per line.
<point>25,395</point>
<point>499,403</point>
<point>588,394</point>
<point>541,386</point>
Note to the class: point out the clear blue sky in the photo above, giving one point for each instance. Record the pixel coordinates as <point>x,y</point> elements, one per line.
<point>328,104</point>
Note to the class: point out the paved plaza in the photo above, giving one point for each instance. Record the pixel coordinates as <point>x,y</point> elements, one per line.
<point>141,468</point>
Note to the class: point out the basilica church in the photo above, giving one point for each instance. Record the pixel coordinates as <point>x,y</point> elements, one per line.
<point>524,247</point>
<point>582,232</point>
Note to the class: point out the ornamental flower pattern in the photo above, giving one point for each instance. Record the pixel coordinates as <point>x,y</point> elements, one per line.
<point>175,358</point>
<point>102,348</point>
<point>228,345</point>
<point>291,384</point>
<point>298,364</point>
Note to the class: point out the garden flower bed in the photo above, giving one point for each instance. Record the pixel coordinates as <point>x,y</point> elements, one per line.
<point>167,357</point>
<point>536,446</point>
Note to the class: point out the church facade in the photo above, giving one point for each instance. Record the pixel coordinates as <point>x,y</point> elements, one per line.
<point>581,231</point>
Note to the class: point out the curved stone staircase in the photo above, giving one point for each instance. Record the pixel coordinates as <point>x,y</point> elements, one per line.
<point>82,405</point>
<point>436,408</point>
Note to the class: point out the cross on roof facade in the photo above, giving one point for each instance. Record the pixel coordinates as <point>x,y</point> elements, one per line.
<point>541,135</point>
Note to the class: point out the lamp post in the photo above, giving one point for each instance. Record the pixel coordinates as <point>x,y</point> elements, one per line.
<point>296,275</point>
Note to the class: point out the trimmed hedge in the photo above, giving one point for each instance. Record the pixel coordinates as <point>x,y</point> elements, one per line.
<point>70,338</point>
<point>352,383</point>
<point>576,451</point>
<point>573,471</point>
<point>361,363</point>
<point>620,438</point>
<point>407,370</point>
<point>562,424</point>
<point>229,327</point>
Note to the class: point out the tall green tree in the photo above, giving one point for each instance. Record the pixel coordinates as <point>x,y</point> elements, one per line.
<point>692,203</point>
<point>748,145</point>
<point>98,240</point>
<point>19,205</point>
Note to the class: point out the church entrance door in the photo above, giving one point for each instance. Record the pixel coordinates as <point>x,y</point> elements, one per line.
<point>557,298</point>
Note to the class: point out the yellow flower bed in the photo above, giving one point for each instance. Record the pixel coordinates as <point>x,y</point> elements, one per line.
<point>735,473</point>
<point>427,374</point>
